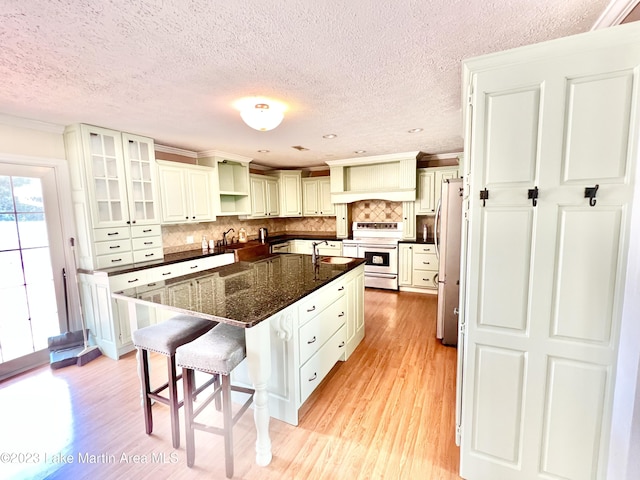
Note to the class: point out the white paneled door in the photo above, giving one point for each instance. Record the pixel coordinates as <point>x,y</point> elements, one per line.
<point>544,282</point>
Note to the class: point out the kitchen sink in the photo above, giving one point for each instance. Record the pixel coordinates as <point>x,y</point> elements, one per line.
<point>337,260</point>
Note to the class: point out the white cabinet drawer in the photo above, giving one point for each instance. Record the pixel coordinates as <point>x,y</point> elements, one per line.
<point>425,261</point>
<point>127,280</point>
<point>146,243</point>
<point>114,246</point>
<point>317,367</point>
<point>138,231</point>
<point>318,301</point>
<point>165,272</point>
<point>424,248</point>
<point>425,278</point>
<point>315,333</point>
<point>147,255</point>
<point>114,260</point>
<point>105,234</point>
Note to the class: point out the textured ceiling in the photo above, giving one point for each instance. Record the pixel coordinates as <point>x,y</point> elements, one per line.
<point>367,71</point>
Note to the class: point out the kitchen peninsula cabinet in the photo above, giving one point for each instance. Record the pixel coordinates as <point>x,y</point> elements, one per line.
<point>186,192</point>
<point>114,193</point>
<point>296,321</point>
<point>108,318</point>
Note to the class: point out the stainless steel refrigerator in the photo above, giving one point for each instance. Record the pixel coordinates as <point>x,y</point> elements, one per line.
<point>447,239</point>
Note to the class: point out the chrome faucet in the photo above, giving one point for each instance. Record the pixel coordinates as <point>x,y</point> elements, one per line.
<point>314,255</point>
<point>224,236</point>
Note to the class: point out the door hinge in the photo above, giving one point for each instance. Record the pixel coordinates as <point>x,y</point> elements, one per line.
<point>458,434</point>
<point>484,196</point>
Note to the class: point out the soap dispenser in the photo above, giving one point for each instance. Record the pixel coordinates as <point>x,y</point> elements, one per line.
<point>242,235</point>
<point>205,244</point>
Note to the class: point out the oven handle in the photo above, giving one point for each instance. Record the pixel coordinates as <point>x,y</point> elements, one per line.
<point>380,275</point>
<point>378,247</point>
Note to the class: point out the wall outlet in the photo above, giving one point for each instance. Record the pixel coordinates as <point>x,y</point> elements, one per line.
<point>190,239</point>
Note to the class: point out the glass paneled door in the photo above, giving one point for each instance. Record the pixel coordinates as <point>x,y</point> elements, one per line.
<point>31,261</point>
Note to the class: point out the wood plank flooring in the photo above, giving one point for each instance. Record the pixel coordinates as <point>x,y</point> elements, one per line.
<point>387,413</point>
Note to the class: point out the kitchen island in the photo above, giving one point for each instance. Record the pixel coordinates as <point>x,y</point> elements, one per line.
<point>299,320</point>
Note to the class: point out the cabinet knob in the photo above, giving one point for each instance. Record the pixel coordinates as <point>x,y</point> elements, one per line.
<point>133,221</point>
<point>194,217</point>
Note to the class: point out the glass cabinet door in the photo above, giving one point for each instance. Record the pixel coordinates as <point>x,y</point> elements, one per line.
<point>139,163</point>
<point>106,177</point>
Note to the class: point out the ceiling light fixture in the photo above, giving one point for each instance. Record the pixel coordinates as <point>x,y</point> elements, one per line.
<point>415,130</point>
<point>360,151</point>
<point>330,135</point>
<point>261,113</point>
<point>263,151</point>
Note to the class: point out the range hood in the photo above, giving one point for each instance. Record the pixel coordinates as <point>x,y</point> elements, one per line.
<point>383,177</point>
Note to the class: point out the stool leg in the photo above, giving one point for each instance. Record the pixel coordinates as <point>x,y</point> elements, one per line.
<point>216,384</point>
<point>173,401</point>
<point>146,388</point>
<point>228,424</point>
<point>189,386</point>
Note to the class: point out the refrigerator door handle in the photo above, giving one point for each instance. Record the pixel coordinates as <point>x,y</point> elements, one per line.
<point>436,227</point>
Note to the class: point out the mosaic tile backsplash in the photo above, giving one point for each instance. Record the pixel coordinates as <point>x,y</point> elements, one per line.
<point>376,211</point>
<point>174,237</point>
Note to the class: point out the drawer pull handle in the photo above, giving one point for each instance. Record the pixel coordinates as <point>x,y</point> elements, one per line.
<point>315,375</point>
<point>132,281</point>
<point>166,273</point>
<point>149,254</point>
<point>341,288</point>
<point>426,263</point>
<point>114,246</point>
<point>148,243</point>
<point>116,260</point>
<point>146,231</point>
<point>341,314</point>
<point>341,344</point>
<point>152,284</point>
<point>113,233</point>
<point>311,309</point>
<point>195,266</point>
<point>313,340</point>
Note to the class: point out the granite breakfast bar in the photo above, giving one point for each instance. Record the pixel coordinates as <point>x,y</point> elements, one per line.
<point>299,320</point>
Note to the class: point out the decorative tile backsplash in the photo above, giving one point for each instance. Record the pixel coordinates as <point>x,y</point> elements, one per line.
<point>376,211</point>
<point>174,237</point>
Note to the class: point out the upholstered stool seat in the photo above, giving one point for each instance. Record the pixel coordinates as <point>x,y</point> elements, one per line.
<point>216,352</point>
<point>164,338</point>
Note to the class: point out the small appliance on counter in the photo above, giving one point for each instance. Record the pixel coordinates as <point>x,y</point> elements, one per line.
<point>263,234</point>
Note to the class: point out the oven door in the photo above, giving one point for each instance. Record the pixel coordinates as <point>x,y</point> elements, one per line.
<point>380,258</point>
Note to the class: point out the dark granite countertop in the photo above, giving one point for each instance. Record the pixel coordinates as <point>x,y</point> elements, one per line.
<point>304,236</point>
<point>242,293</point>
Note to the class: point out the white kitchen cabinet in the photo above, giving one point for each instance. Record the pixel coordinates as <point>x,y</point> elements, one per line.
<point>265,196</point>
<point>290,192</point>
<point>305,247</point>
<point>316,197</point>
<point>307,339</point>
<point>233,189</point>
<point>424,196</point>
<point>408,221</point>
<point>108,319</point>
<point>418,267</point>
<point>186,192</point>
<point>343,220</point>
<point>114,187</point>
<point>429,187</point>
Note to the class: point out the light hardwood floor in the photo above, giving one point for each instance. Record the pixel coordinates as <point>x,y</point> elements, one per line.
<point>387,413</point>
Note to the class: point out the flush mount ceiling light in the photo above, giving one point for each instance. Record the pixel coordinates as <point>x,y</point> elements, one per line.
<point>260,113</point>
<point>415,130</point>
<point>360,151</point>
<point>330,135</point>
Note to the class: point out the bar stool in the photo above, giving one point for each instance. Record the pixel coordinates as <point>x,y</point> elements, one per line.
<point>164,338</point>
<point>217,352</point>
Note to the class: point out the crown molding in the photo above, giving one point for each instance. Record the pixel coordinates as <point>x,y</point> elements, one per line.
<point>225,155</point>
<point>175,151</point>
<point>21,122</point>
<point>615,13</point>
<point>372,159</point>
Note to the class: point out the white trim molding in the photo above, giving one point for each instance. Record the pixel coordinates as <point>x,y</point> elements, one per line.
<point>615,13</point>
<point>14,121</point>
<point>175,151</point>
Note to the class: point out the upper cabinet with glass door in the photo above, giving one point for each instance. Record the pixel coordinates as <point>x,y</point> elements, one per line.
<point>120,177</point>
